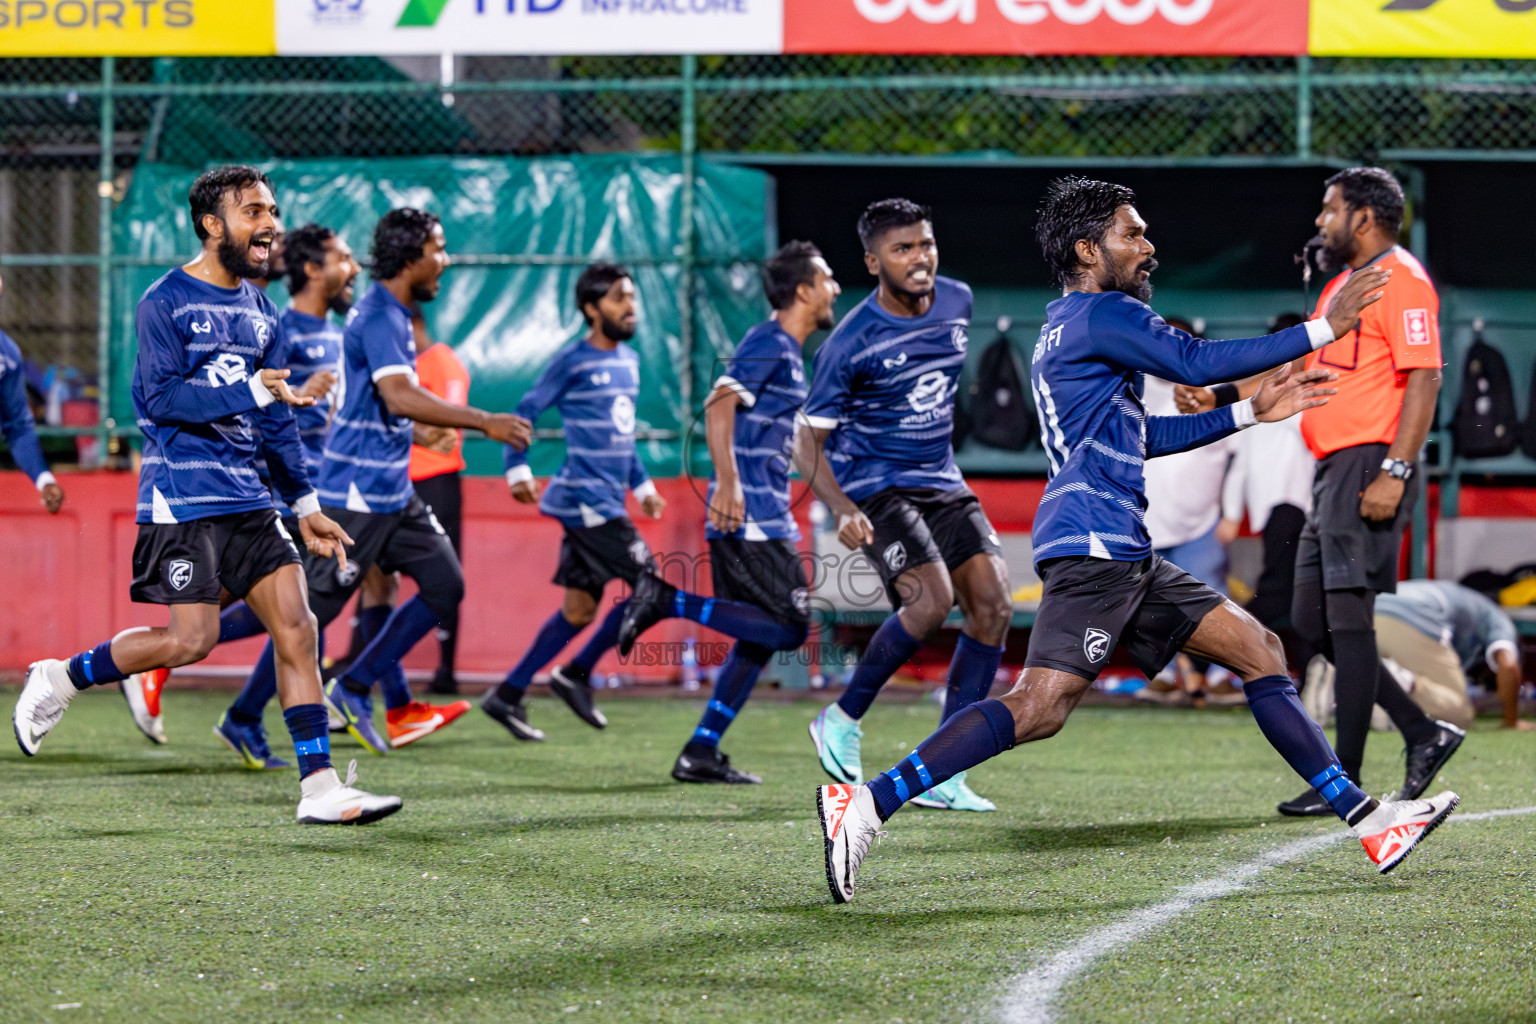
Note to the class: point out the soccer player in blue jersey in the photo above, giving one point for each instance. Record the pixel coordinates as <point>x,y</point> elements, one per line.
<point>206,522</point>
<point>363,481</point>
<point>593,382</point>
<point>1103,584</point>
<point>19,427</point>
<point>883,392</point>
<point>761,596</point>
<point>320,271</point>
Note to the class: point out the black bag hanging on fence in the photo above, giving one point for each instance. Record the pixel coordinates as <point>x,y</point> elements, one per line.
<point>1486,424</point>
<point>1000,414</point>
<point>1528,442</point>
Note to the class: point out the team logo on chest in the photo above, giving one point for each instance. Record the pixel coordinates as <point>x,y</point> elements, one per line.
<point>226,368</point>
<point>957,338</point>
<point>930,391</point>
<point>1095,644</point>
<point>623,414</point>
<point>179,573</point>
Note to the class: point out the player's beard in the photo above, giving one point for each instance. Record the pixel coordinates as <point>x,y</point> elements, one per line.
<point>617,330</point>
<point>1125,279</point>
<point>425,292</point>
<point>235,257</point>
<point>1333,257</point>
<point>341,302</point>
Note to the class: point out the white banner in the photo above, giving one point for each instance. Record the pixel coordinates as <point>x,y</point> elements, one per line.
<point>335,27</point>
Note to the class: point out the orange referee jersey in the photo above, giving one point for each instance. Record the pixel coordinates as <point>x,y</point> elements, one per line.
<point>1397,333</point>
<point>440,372</point>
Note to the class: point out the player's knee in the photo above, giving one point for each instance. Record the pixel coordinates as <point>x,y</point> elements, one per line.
<point>296,636</point>
<point>991,618</point>
<point>928,607</point>
<point>443,593</point>
<point>191,643</point>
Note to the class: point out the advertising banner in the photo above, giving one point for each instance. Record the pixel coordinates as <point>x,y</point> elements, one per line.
<point>133,28</point>
<point>1172,27</point>
<point>1423,28</point>
<point>529,26</point>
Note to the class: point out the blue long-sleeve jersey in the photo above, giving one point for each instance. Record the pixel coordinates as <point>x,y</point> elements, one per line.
<point>768,374</point>
<point>594,391</point>
<point>367,454</point>
<point>1087,380</point>
<point>16,420</point>
<point>885,385</point>
<point>199,401</point>
<point>313,344</point>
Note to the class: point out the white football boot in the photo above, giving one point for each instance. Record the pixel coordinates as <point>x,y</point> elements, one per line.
<point>326,800</point>
<point>849,822</point>
<point>1393,829</point>
<point>43,699</point>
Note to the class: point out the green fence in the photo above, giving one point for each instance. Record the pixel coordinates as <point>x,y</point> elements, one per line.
<point>72,132</point>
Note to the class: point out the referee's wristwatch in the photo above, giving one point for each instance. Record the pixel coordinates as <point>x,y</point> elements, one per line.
<point>1397,468</point>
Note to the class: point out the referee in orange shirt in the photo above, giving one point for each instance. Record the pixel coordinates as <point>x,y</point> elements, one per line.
<point>1367,442</point>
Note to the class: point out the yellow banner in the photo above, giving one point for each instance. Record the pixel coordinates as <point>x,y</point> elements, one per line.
<point>1423,28</point>
<point>137,28</point>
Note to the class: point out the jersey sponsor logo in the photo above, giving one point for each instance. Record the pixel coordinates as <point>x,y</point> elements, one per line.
<point>891,364</point>
<point>314,352</point>
<point>206,327</point>
<point>602,378</point>
<point>895,556</point>
<point>623,414</point>
<point>929,392</point>
<point>1095,644</point>
<point>227,368</point>
<point>1416,326</point>
<point>179,573</point>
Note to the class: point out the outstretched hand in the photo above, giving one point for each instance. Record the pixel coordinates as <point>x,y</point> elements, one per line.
<point>1284,393</point>
<point>276,381</point>
<point>1363,288</point>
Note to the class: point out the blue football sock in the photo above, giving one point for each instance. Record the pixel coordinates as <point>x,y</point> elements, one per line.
<point>970,674</point>
<point>307,724</point>
<point>979,732</point>
<point>888,650</point>
<point>1298,739</point>
<point>238,622</point>
<point>600,643</point>
<point>370,621</point>
<point>732,688</point>
<point>403,630</point>
<point>738,619</point>
<point>94,667</point>
<point>553,636</point>
<point>259,689</point>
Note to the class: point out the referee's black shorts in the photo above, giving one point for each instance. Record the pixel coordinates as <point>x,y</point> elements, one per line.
<point>1338,545</point>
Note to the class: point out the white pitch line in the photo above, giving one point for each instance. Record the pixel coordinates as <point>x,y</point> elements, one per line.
<point>1028,998</point>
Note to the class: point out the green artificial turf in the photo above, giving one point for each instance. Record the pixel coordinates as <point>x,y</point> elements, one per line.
<point>573,880</point>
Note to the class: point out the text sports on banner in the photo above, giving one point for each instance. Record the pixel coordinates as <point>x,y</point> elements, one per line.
<point>151,28</point>
<point>1172,27</point>
<point>529,26</point>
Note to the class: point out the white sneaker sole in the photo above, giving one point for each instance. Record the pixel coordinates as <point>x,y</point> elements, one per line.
<point>363,817</point>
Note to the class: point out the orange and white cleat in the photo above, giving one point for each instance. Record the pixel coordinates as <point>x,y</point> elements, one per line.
<point>1392,830</point>
<point>142,692</point>
<point>849,822</point>
<point>418,719</point>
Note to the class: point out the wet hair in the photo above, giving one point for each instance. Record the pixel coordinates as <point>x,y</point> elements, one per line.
<point>789,268</point>
<point>399,240</point>
<point>1374,189</point>
<point>882,216</point>
<point>208,191</point>
<point>306,245</point>
<point>1076,209</point>
<point>594,283</point>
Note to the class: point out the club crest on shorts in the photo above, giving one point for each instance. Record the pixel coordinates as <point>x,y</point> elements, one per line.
<point>1095,644</point>
<point>179,573</point>
<point>800,597</point>
<point>895,556</point>
<point>639,552</point>
<point>347,574</point>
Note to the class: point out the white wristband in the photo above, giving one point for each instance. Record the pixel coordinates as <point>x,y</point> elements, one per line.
<point>44,479</point>
<point>306,506</point>
<point>1321,333</point>
<point>1242,414</point>
<point>645,490</point>
<point>518,474</point>
<point>264,397</point>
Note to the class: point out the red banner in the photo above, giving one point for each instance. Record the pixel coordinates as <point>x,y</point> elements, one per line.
<point>1169,27</point>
